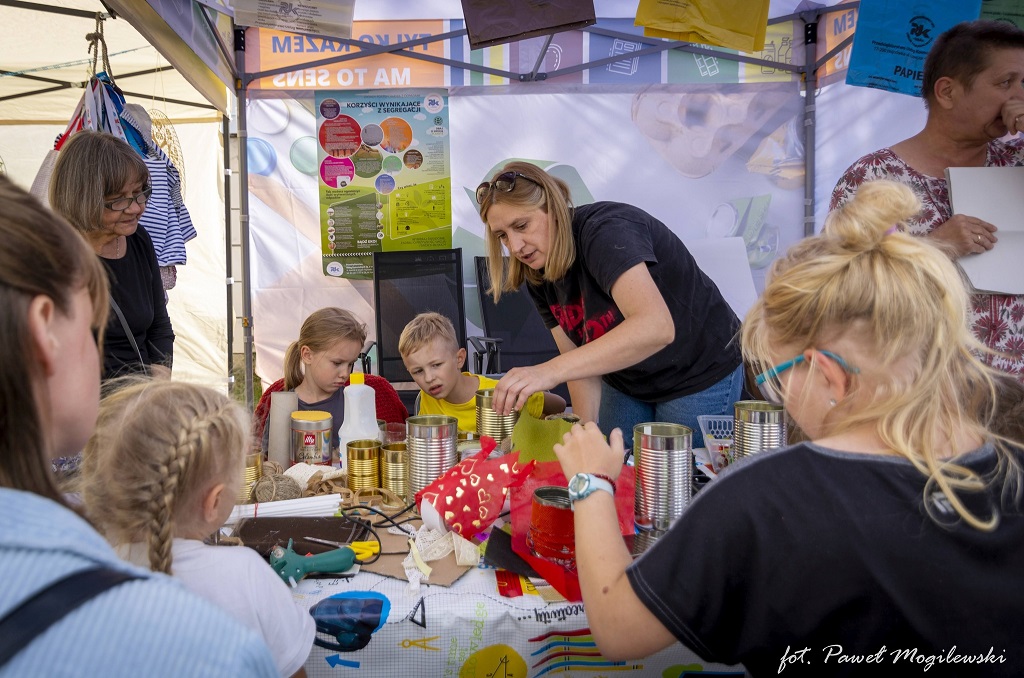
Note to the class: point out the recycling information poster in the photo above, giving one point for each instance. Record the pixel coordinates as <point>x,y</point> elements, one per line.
<point>384,176</point>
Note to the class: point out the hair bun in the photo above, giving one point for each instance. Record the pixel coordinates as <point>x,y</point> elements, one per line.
<point>874,212</point>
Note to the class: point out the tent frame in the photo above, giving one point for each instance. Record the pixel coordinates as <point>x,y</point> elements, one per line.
<point>234,57</point>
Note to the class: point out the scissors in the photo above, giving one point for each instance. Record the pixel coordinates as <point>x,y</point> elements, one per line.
<point>421,643</point>
<point>364,549</point>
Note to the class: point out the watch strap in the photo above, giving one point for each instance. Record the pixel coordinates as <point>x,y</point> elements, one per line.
<point>595,483</point>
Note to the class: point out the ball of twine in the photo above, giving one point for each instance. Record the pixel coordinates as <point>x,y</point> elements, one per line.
<point>272,468</point>
<point>275,487</point>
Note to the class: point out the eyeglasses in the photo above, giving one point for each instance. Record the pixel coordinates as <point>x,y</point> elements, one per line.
<point>770,389</point>
<point>121,204</point>
<point>504,182</point>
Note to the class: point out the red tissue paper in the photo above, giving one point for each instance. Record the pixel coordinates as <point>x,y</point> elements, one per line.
<point>469,496</point>
<point>549,473</point>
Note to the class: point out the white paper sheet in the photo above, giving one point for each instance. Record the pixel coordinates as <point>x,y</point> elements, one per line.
<point>996,195</point>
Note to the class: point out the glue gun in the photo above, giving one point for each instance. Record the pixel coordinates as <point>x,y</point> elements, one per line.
<point>292,567</point>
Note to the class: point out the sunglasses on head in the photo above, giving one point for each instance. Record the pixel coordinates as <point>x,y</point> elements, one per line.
<point>504,182</point>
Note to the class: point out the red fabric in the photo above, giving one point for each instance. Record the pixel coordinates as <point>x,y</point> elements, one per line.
<point>389,404</point>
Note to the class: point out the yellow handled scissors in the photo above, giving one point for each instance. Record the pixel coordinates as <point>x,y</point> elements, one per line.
<point>364,549</point>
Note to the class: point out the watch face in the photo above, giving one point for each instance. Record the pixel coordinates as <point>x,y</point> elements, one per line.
<point>578,485</point>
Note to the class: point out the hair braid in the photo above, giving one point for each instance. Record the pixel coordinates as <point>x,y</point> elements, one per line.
<point>192,438</point>
<point>159,448</point>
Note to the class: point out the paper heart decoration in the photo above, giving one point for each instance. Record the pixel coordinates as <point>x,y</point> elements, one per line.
<point>470,494</point>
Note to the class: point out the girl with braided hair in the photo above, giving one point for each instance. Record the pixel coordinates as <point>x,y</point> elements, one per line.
<point>53,308</point>
<point>160,474</point>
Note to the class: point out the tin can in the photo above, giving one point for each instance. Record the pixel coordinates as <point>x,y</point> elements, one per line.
<point>363,464</point>
<point>489,422</point>
<point>551,534</point>
<point>394,469</point>
<point>664,473</point>
<point>311,437</point>
<point>758,426</point>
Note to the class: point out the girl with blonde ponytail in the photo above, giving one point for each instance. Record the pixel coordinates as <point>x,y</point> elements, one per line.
<point>160,474</point>
<point>317,366</point>
<point>897,532</point>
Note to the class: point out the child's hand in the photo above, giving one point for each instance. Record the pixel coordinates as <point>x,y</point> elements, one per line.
<point>584,450</point>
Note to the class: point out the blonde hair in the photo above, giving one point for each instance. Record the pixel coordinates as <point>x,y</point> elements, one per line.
<point>321,330</point>
<point>541,191</point>
<point>158,447</point>
<point>90,166</point>
<point>425,328</point>
<point>40,255</point>
<point>904,301</point>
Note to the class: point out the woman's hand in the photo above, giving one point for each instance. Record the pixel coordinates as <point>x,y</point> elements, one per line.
<point>1013,116</point>
<point>518,384</point>
<point>584,450</point>
<point>967,235</point>
<point>158,371</point>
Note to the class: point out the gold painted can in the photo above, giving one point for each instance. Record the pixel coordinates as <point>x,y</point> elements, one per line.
<point>253,472</point>
<point>394,469</point>
<point>311,437</point>
<point>363,464</point>
<point>489,422</point>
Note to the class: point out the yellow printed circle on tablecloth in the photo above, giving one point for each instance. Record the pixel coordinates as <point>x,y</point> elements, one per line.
<point>494,661</point>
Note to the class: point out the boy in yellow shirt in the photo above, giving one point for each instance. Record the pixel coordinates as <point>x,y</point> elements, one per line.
<point>432,356</point>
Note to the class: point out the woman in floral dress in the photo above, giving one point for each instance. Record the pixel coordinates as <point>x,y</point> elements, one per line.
<point>973,88</point>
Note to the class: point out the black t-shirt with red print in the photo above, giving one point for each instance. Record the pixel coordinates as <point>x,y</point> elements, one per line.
<point>610,239</point>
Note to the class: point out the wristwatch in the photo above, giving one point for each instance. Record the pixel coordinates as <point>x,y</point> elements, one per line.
<point>582,485</point>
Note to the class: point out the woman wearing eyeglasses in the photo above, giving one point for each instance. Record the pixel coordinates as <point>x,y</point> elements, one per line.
<point>897,533</point>
<point>643,333</point>
<point>100,184</point>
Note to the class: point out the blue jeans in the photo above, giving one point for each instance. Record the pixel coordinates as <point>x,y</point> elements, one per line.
<point>619,410</point>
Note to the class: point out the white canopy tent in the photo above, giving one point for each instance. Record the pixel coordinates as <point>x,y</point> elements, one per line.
<point>45,62</point>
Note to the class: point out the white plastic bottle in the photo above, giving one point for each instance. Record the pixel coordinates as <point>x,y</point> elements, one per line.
<point>360,418</point>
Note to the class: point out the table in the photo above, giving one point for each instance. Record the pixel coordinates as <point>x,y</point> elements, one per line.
<point>469,630</point>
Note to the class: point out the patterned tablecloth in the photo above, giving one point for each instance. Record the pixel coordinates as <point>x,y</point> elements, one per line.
<point>379,627</point>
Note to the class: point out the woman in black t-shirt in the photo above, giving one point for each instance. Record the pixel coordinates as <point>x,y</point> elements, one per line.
<point>643,333</point>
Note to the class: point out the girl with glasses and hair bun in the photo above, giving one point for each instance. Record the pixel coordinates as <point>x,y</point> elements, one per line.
<point>101,185</point>
<point>643,334</point>
<point>897,532</point>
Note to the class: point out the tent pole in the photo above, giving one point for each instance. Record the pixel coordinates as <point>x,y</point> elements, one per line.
<point>810,87</point>
<point>243,213</point>
<point>225,130</point>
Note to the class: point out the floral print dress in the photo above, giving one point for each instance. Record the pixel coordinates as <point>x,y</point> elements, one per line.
<point>996,319</point>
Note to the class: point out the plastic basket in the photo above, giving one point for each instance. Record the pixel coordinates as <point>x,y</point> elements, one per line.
<point>717,430</point>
